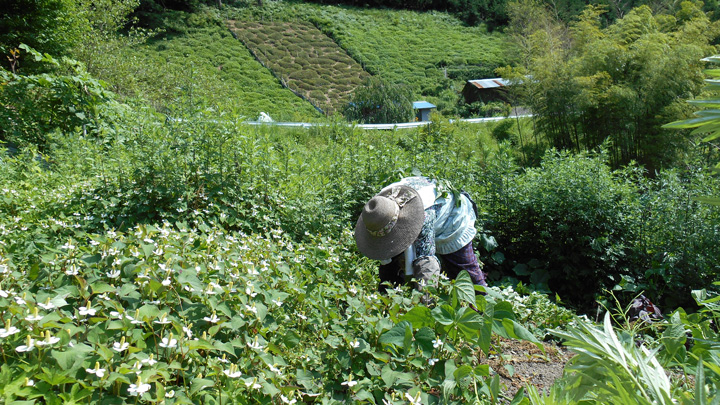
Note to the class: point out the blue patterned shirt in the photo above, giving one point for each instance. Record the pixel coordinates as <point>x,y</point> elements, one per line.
<point>448,226</point>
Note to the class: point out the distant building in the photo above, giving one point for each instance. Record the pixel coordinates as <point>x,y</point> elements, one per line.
<point>485,90</point>
<point>422,110</point>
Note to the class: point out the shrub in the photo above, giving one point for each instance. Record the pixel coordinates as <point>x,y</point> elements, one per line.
<point>380,102</point>
<point>566,225</point>
<point>32,106</point>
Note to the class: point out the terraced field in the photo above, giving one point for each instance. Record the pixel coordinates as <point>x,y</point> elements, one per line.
<point>304,59</point>
<point>428,51</point>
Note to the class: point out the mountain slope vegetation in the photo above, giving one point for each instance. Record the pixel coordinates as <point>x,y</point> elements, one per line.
<point>304,59</point>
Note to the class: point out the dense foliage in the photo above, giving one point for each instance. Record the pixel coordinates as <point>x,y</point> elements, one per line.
<point>46,25</point>
<point>377,102</point>
<point>618,84</point>
<point>577,228</point>
<point>33,105</point>
<point>186,256</point>
<point>305,60</point>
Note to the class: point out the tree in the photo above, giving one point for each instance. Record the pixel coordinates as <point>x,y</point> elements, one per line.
<point>49,26</point>
<point>708,121</point>
<point>379,102</point>
<point>590,85</point>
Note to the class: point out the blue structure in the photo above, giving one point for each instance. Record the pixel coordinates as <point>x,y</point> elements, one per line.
<point>422,110</point>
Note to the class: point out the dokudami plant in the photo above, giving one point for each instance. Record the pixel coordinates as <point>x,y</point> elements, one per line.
<point>188,314</point>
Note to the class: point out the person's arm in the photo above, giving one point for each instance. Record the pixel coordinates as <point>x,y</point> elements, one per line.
<point>426,266</point>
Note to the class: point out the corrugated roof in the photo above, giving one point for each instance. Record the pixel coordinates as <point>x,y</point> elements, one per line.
<point>422,104</point>
<point>489,83</point>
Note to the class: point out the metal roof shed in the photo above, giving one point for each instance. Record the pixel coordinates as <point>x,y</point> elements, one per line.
<point>485,90</point>
<point>422,110</point>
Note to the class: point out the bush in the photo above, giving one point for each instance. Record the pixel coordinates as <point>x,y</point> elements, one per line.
<point>378,102</point>
<point>32,106</point>
<point>576,227</point>
<point>566,225</point>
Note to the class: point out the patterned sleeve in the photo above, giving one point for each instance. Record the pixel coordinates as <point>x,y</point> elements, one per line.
<point>425,242</point>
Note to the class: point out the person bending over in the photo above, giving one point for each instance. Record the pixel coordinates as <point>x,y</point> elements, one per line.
<point>417,230</point>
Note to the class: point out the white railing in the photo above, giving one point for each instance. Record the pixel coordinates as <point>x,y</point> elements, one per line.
<point>401,125</point>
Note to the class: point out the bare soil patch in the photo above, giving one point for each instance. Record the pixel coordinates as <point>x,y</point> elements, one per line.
<point>521,363</point>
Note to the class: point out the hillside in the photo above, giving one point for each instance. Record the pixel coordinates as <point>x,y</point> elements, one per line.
<point>432,52</point>
<point>305,60</point>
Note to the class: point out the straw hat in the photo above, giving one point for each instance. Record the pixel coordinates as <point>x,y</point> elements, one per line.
<point>389,223</point>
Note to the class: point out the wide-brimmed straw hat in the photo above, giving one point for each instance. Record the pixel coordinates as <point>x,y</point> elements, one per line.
<point>389,223</point>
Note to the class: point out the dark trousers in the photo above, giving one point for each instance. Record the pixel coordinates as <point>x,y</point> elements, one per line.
<point>451,264</point>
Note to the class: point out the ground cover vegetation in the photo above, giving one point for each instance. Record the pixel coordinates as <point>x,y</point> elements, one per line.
<point>202,260</point>
<point>305,60</point>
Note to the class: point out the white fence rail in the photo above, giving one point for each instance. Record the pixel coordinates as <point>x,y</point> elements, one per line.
<point>401,125</point>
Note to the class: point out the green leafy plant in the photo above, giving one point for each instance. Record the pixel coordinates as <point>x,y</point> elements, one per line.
<point>67,100</point>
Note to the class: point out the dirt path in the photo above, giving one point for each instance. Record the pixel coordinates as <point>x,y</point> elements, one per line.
<point>519,363</point>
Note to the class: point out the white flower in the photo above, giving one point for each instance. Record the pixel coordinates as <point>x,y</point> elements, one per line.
<point>149,361</point>
<point>437,343</point>
<point>29,382</point>
<point>158,252</point>
<point>303,317</point>
<point>8,331</point>
<point>277,302</point>
<point>253,384</point>
<point>49,339</point>
<point>68,246</point>
<point>169,394</point>
<point>413,400</point>
<point>86,311</point>
<point>4,293</point>
<point>188,331</point>
<point>355,344</point>
<point>275,370</point>
<point>232,372</point>
<point>169,342</point>
<point>139,388</point>
<point>121,346</point>
<point>28,346</point>
<point>432,361</point>
<point>251,308</point>
<point>212,319</point>
<point>72,270</point>
<point>287,401</point>
<point>47,305</point>
<point>100,372</point>
<point>34,316</point>
<point>113,273</point>
<point>163,320</point>
<point>255,345</point>
<point>20,301</point>
<point>167,282</point>
<point>350,382</point>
